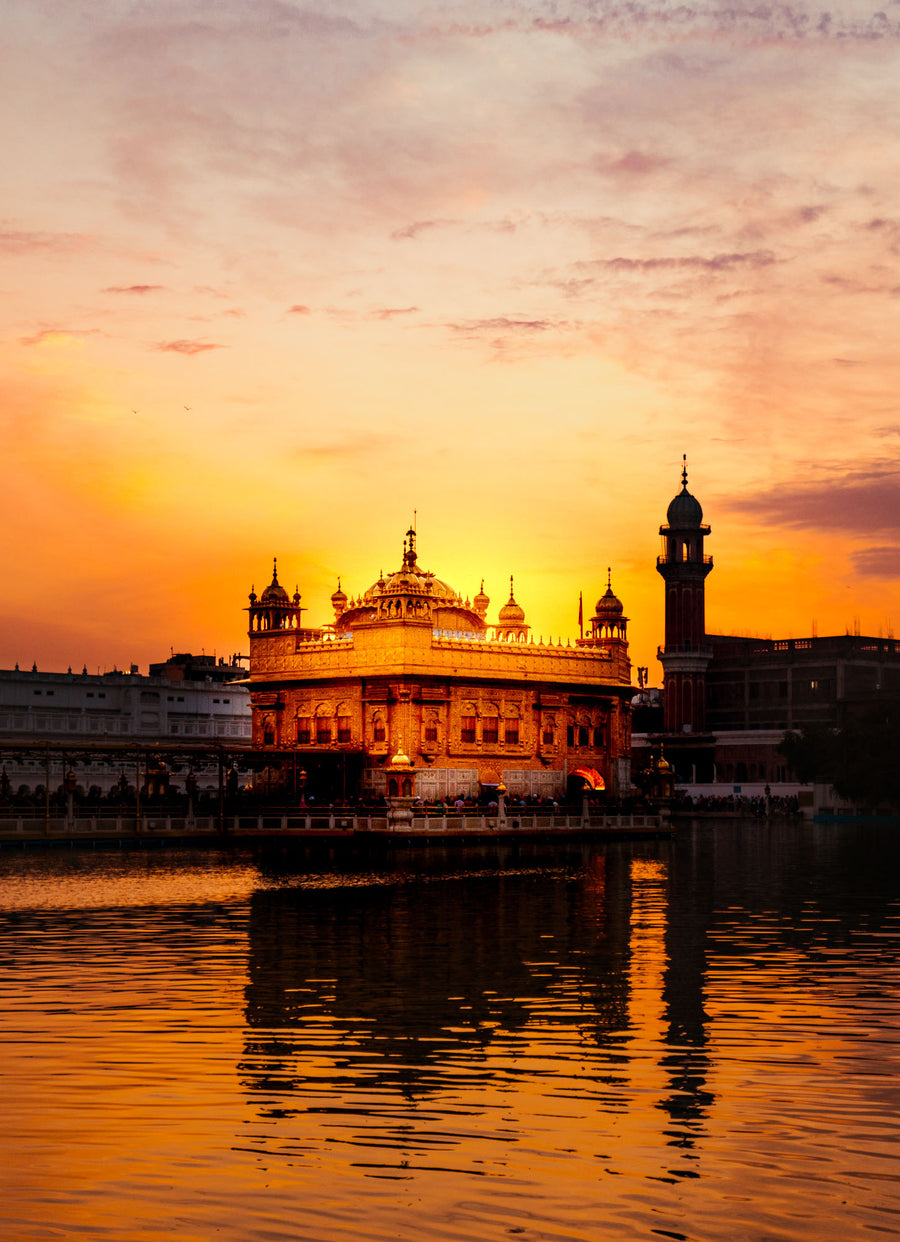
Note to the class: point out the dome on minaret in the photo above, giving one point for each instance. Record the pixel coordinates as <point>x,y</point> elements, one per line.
<point>685,512</point>
<point>481,602</point>
<point>339,600</point>
<point>275,592</point>
<point>609,605</point>
<point>511,613</point>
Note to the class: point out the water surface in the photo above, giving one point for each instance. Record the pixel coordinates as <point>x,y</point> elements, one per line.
<point>694,1039</point>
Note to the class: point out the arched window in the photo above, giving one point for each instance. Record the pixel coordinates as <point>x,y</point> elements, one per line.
<point>323,726</point>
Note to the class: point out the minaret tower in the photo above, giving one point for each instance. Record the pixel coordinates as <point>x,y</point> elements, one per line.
<point>686,654</point>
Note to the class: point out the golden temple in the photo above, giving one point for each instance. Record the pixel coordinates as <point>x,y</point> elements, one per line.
<point>477,703</point>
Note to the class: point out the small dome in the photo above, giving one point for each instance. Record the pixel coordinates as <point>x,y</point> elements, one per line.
<point>339,598</point>
<point>684,513</point>
<point>609,605</point>
<point>275,592</point>
<point>400,761</point>
<point>511,613</point>
<point>481,602</point>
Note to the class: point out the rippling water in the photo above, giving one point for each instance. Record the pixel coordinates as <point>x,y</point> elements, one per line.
<point>689,1040</point>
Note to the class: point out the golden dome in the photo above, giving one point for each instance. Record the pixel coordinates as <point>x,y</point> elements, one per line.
<point>400,762</point>
<point>511,613</point>
<point>609,606</point>
<point>339,599</point>
<point>481,602</point>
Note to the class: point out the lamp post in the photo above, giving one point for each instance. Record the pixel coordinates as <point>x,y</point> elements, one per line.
<point>303,787</point>
<point>501,804</point>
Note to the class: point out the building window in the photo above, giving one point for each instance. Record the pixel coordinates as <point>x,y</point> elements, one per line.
<point>547,737</point>
<point>511,733</point>
<point>268,738</point>
<point>323,731</point>
<point>378,730</point>
<point>570,735</point>
<point>598,737</point>
<point>431,732</point>
<point>490,730</point>
<point>468,728</point>
<point>304,730</point>
<point>344,732</point>
<point>582,735</point>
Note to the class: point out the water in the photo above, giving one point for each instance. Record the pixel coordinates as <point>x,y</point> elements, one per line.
<point>690,1040</point>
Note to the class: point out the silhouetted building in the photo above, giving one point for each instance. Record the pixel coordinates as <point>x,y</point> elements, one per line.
<point>728,701</point>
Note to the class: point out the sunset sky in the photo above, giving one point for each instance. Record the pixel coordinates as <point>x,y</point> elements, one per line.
<point>276,275</point>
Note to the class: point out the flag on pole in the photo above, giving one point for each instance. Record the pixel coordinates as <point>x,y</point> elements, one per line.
<point>580,615</point>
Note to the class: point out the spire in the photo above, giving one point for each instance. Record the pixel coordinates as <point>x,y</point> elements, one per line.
<point>684,471</point>
<point>275,571</point>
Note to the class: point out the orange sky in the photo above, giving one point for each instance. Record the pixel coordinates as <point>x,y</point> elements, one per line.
<point>274,276</point>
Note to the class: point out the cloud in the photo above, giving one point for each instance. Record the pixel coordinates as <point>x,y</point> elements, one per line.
<point>877,562</point>
<point>28,243</point>
<point>299,309</point>
<point>637,163</point>
<point>54,336</point>
<point>362,445</point>
<point>711,263</point>
<point>419,226</point>
<point>139,289</point>
<point>503,323</point>
<point>861,501</point>
<point>186,347</point>
<point>388,312</point>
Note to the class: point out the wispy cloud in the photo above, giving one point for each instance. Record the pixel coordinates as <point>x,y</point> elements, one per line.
<point>502,323</point>
<point>138,289</point>
<point>861,501</point>
<point>186,347</point>
<point>418,227</point>
<point>695,262</point>
<point>877,562</point>
<point>299,309</point>
<point>59,336</point>
<point>14,242</point>
<point>364,444</point>
<point>391,312</point>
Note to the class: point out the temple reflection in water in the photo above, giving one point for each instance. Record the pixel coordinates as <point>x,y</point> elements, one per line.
<point>417,985</point>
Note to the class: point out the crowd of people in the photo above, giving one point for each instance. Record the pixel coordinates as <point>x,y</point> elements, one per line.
<point>756,806</point>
